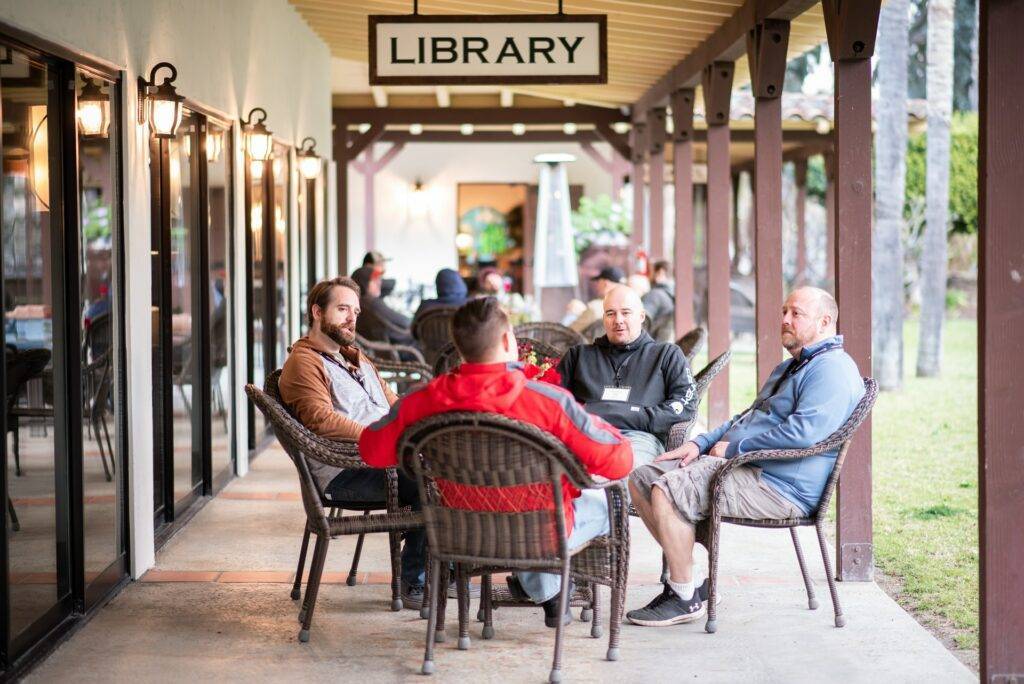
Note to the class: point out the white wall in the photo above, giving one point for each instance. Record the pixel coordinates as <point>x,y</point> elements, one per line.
<point>421,246</point>
<point>231,55</point>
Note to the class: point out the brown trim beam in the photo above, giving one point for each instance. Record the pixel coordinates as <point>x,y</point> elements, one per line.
<point>800,177</point>
<point>656,174</point>
<point>682,179</point>
<point>1000,340</point>
<point>638,142</point>
<point>339,151</point>
<point>810,142</point>
<point>580,114</point>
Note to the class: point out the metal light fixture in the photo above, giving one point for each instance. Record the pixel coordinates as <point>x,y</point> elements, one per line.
<point>214,145</point>
<point>309,160</point>
<point>518,129</point>
<point>569,128</point>
<point>160,105</point>
<point>256,169</point>
<point>259,141</point>
<point>93,111</point>
<point>415,129</point>
<point>466,129</point>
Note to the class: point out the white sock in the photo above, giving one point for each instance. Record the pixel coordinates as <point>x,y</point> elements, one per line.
<point>684,590</point>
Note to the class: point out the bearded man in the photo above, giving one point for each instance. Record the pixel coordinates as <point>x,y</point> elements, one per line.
<point>333,389</point>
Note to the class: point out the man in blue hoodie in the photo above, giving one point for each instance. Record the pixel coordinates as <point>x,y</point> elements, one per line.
<point>804,400</point>
<point>451,291</point>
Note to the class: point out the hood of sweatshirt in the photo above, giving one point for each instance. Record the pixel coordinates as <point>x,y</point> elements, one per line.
<point>473,385</point>
<point>450,286</point>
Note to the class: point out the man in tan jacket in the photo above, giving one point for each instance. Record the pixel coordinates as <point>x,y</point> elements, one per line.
<point>333,389</point>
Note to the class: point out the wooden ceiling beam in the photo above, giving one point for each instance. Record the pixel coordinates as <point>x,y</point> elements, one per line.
<point>479,115</point>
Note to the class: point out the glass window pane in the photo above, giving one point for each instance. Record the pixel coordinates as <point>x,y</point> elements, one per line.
<point>259,302</point>
<point>282,245</point>
<point>218,157</point>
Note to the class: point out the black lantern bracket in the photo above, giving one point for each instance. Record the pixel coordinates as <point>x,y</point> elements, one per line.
<point>148,87</point>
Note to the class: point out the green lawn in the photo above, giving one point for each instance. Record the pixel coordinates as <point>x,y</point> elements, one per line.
<point>925,480</point>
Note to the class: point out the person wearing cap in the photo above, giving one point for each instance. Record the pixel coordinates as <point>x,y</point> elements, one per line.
<point>609,277</point>
<point>378,321</point>
<point>640,386</point>
<point>379,262</point>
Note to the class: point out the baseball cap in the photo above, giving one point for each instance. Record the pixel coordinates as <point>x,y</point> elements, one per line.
<point>610,273</point>
<point>374,258</point>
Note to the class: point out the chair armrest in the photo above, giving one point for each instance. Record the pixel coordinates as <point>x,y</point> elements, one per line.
<point>336,453</point>
<point>679,433</point>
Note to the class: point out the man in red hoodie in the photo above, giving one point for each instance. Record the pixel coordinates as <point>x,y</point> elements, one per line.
<point>491,379</point>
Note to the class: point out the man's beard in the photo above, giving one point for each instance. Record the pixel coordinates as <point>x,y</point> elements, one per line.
<point>340,334</point>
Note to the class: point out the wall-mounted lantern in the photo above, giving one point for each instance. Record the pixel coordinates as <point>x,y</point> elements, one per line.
<point>160,105</point>
<point>93,111</point>
<point>214,145</point>
<point>259,141</point>
<point>309,161</point>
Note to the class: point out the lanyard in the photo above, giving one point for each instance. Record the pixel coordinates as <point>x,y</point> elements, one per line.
<point>794,367</point>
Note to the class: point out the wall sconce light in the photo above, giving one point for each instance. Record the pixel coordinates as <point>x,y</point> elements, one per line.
<point>214,145</point>
<point>518,129</point>
<point>418,201</point>
<point>39,153</point>
<point>569,128</point>
<point>309,160</point>
<point>256,169</point>
<point>160,105</point>
<point>93,111</point>
<point>259,141</point>
<point>466,129</point>
<point>415,129</point>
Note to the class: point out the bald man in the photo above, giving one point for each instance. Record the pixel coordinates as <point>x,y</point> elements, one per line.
<point>638,385</point>
<point>805,399</point>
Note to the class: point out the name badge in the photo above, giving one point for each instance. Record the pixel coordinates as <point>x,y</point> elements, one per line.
<point>615,394</point>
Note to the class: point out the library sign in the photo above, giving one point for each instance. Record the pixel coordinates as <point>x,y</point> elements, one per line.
<point>496,49</point>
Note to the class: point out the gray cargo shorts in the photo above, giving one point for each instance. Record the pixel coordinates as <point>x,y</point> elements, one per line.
<point>745,494</point>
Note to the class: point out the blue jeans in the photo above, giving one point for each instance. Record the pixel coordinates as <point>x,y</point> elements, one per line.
<point>368,485</point>
<point>590,519</point>
<point>646,447</point>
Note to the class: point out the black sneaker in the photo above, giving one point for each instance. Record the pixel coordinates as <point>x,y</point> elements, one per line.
<point>515,589</point>
<point>412,596</point>
<point>551,609</point>
<point>668,609</point>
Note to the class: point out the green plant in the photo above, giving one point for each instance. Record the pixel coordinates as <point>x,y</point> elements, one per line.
<point>963,175</point>
<point>600,221</point>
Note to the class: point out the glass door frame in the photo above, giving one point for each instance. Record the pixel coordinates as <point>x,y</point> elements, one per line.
<point>80,598</point>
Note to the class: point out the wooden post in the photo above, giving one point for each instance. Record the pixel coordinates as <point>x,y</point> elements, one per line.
<point>766,53</point>
<point>340,153</point>
<point>638,144</point>
<point>830,221</point>
<point>369,168</point>
<point>800,176</point>
<point>682,180</point>
<point>1000,341</point>
<point>851,37</point>
<point>656,170</point>
<point>616,166</point>
<point>717,87</point>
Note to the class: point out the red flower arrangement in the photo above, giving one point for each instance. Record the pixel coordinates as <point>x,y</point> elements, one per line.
<point>535,367</point>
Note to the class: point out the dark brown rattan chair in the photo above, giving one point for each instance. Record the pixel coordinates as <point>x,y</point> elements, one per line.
<point>323,515</point>
<point>680,432</point>
<point>385,351</point>
<point>708,529</point>
<point>555,334</point>
<point>449,359</point>
<point>404,376</point>
<point>490,451</point>
<point>593,331</point>
<point>433,330</point>
<point>692,342</point>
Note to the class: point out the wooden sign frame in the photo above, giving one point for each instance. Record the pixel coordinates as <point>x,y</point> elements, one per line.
<point>600,19</point>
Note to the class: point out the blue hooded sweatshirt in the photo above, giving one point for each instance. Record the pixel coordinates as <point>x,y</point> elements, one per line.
<point>807,407</point>
<point>451,291</point>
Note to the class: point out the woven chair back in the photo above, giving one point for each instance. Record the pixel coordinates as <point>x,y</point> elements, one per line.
<point>491,489</point>
<point>403,377</point>
<point>555,334</point>
<point>593,331</point>
<point>692,342</point>
<point>842,438</point>
<point>707,374</point>
<point>291,434</point>
<point>449,359</point>
<point>433,329</point>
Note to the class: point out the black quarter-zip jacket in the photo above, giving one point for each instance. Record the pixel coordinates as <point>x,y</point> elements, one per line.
<point>661,387</point>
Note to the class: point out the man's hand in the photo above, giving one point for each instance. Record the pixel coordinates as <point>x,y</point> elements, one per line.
<point>719,449</point>
<point>686,454</point>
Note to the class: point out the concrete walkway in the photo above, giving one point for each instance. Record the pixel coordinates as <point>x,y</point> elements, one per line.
<point>216,608</point>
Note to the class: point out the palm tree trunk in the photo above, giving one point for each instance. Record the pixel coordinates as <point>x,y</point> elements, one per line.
<point>933,253</point>
<point>890,183</point>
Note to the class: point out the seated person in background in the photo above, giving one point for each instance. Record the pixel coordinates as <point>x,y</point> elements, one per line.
<point>490,379</point>
<point>371,323</point>
<point>379,262</point>
<point>491,283</point>
<point>639,284</point>
<point>638,385</point>
<point>609,277</point>
<point>451,291</point>
<point>660,303</point>
<point>335,391</point>
<point>804,400</point>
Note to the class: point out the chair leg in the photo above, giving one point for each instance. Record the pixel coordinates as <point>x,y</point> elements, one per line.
<point>486,596</point>
<point>441,600</point>
<point>428,654</point>
<point>596,630</point>
<point>15,525</point>
<point>110,446</point>
<point>462,591</point>
<point>812,602</point>
<point>425,606</point>
<point>620,577</point>
<point>313,586</point>
<point>484,582</point>
<point>563,602</point>
<point>297,586</point>
<point>587,612</point>
<point>395,540</point>
<point>840,619</point>
<point>351,579</point>
<point>712,624</point>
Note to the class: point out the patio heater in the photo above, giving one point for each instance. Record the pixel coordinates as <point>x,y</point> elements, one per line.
<point>554,251</point>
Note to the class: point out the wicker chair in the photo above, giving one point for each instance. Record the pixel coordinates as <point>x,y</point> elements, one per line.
<point>692,342</point>
<point>708,530</point>
<point>301,444</point>
<point>555,334</point>
<point>593,331</point>
<point>681,431</point>
<point>448,360</point>
<point>402,376</point>
<point>385,351</point>
<point>433,330</point>
<point>493,451</point>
